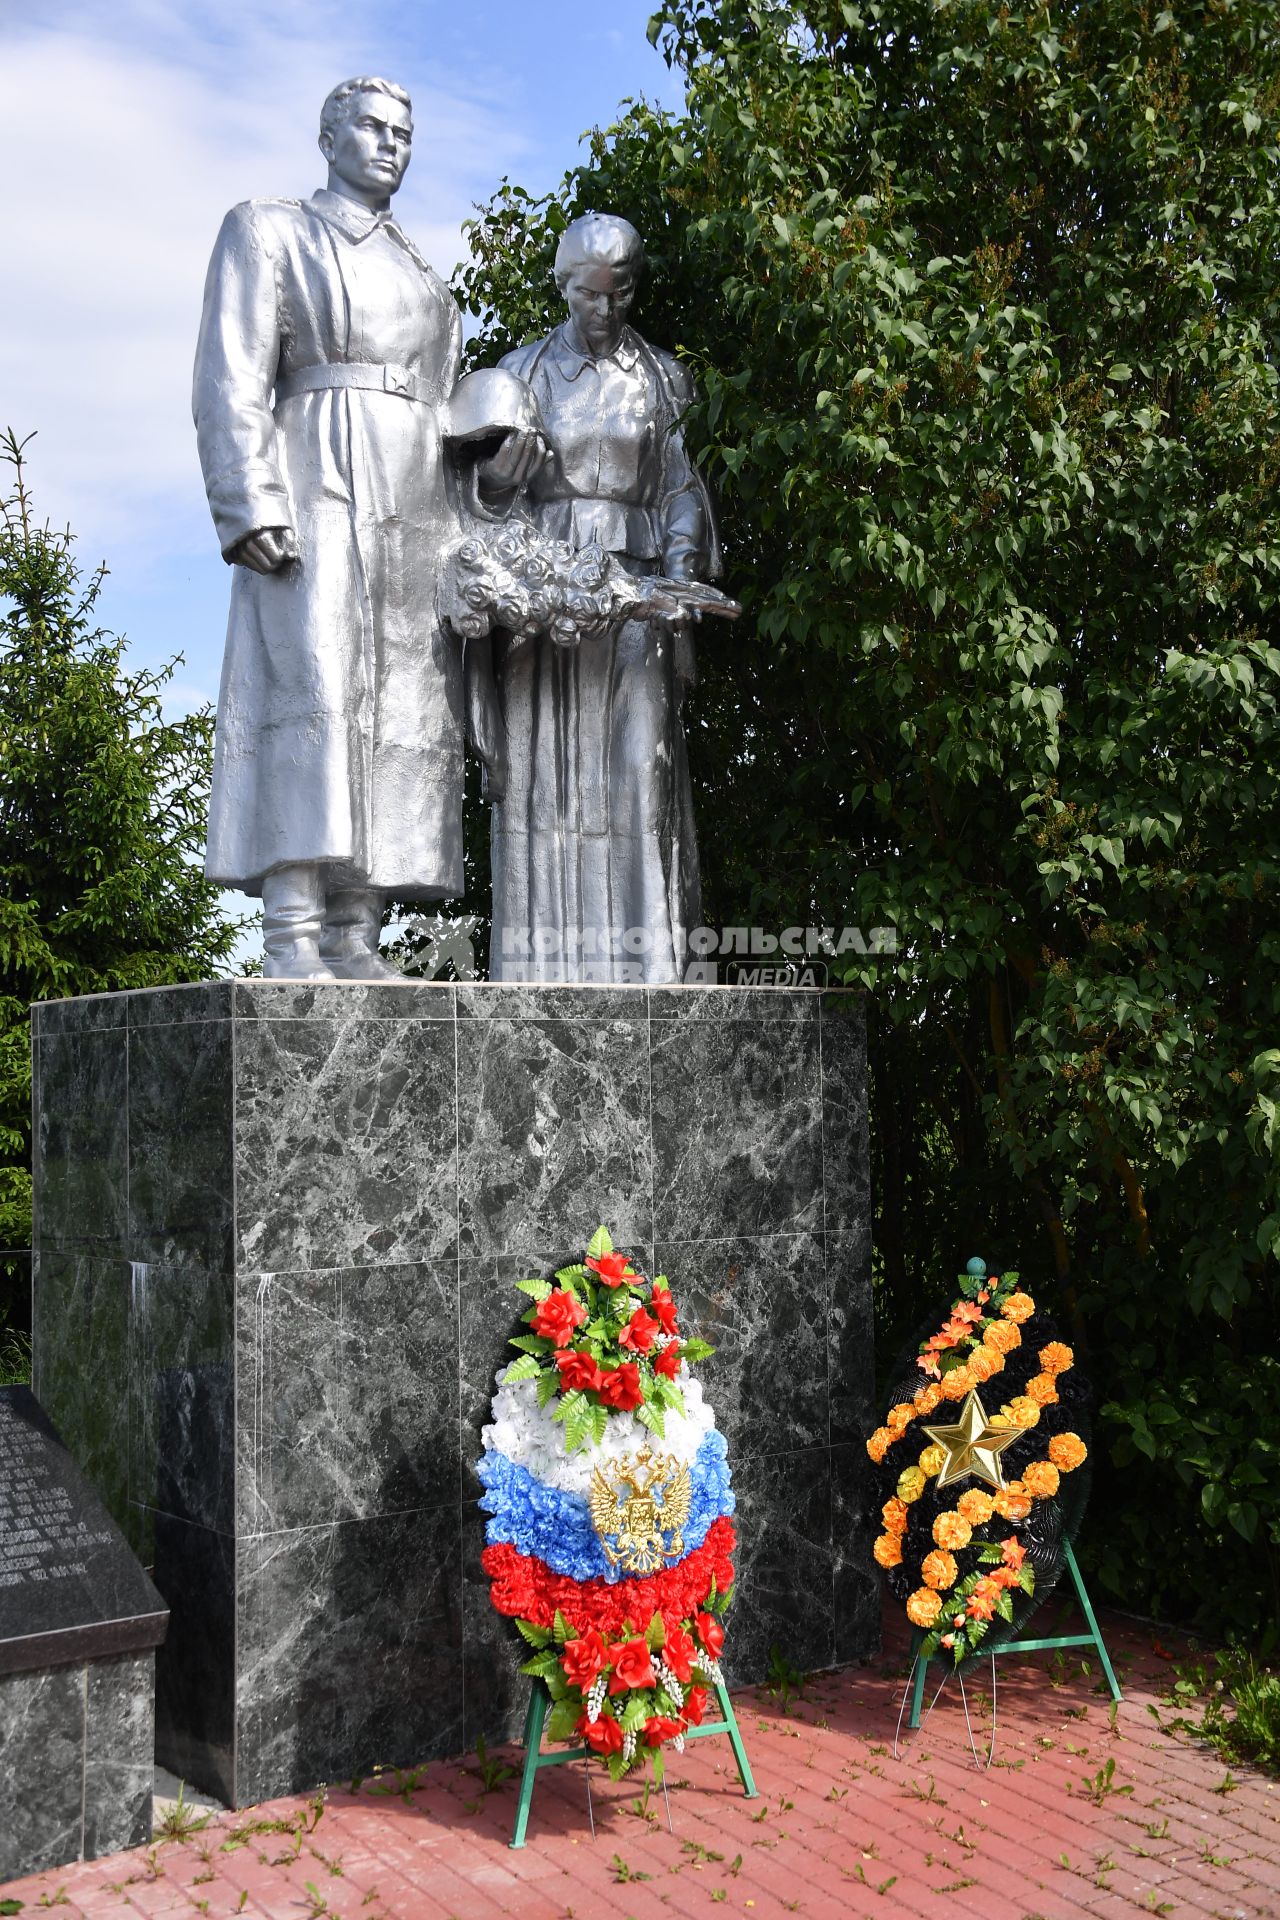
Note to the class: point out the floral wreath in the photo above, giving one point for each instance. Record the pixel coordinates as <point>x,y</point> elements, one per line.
<point>967,1560</point>
<point>610,1541</point>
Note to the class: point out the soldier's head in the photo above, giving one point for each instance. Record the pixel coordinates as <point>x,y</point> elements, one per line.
<point>366,135</point>
<point>598,263</point>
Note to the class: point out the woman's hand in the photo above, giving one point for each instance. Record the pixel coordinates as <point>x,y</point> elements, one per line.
<point>515,463</point>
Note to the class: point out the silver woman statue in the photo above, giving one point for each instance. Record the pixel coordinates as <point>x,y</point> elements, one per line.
<point>595,862</point>
<point>327,351</point>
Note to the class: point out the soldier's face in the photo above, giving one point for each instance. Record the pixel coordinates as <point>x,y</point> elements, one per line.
<point>370,150</point>
<point>599,300</point>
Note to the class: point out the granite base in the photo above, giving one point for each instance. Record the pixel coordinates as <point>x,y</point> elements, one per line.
<point>285,1220</point>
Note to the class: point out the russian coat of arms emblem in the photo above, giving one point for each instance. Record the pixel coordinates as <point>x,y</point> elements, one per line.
<point>639,1509</point>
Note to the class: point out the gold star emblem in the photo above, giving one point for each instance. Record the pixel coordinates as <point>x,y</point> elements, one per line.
<point>973,1446</point>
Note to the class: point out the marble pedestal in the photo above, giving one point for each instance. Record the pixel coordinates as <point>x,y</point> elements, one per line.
<point>276,1230</point>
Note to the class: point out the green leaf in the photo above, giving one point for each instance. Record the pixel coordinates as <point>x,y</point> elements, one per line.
<point>525,1368</point>
<point>656,1633</point>
<point>532,1343</point>
<point>548,1386</point>
<point>542,1664</point>
<point>562,1720</point>
<point>536,1636</point>
<point>600,1244</point>
<point>562,1630</point>
<point>538,1289</point>
<point>652,1417</point>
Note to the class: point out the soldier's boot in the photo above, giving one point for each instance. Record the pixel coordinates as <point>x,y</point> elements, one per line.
<point>292,905</point>
<point>349,938</point>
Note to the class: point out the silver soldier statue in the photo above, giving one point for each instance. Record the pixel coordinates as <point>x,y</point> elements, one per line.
<point>595,862</point>
<point>328,349</point>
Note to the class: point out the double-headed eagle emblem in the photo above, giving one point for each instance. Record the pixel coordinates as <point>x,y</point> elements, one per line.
<point>639,1508</point>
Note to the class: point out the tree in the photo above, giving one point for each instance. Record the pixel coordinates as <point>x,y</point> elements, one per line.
<point>102,820</point>
<point>983,303</point>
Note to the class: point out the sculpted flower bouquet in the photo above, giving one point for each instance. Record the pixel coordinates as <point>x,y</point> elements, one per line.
<point>610,1540</point>
<point>972,1458</point>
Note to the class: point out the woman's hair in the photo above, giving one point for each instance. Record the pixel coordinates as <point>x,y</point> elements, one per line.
<point>599,240</point>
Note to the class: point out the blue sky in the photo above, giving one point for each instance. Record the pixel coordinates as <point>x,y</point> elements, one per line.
<point>127,127</point>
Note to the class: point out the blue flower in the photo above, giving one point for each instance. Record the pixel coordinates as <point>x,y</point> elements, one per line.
<point>556,1526</point>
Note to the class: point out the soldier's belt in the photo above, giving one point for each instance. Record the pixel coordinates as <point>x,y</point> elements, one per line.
<point>370,379</point>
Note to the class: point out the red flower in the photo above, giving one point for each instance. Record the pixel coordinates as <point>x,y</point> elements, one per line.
<point>620,1387</point>
<point>664,1308</point>
<point>632,1667</point>
<point>668,1361</point>
<point>638,1332</point>
<point>577,1370</point>
<point>710,1632</point>
<point>604,1734</point>
<point>583,1659</point>
<point>613,1268</point>
<point>527,1588</point>
<point>680,1654</point>
<point>695,1705</point>
<point>557,1316</point>
<point>658,1728</point>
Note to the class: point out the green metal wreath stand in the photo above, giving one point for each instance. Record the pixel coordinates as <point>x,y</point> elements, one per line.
<point>534,1757</point>
<point>919,1668</point>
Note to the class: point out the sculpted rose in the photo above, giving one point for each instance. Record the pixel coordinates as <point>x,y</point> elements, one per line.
<point>577,1370</point>
<point>711,1633</point>
<point>620,1387</point>
<point>583,1659</point>
<point>632,1667</point>
<point>557,1316</point>
<point>639,1332</point>
<point>612,1268</point>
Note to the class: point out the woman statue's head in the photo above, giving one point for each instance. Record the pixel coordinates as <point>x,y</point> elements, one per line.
<point>598,262</point>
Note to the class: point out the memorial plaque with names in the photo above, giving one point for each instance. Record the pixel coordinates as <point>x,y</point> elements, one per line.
<point>71,1589</point>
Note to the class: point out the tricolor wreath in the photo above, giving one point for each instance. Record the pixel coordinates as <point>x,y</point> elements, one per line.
<point>610,1542</point>
<point>972,1459</point>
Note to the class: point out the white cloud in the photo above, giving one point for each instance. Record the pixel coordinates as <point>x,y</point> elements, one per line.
<point>132,130</point>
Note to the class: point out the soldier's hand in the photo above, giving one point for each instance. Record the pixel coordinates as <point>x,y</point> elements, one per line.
<point>516,461</point>
<point>266,550</point>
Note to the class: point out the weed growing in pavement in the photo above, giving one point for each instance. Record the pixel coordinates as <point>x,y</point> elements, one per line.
<point>622,1873</point>
<point>403,1782</point>
<point>1102,1784</point>
<point>1237,1703</point>
<point>181,1820</point>
<point>490,1773</point>
<point>784,1679</point>
<point>11,1906</point>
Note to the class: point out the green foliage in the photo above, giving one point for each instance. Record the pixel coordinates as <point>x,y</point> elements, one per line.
<point>102,819</point>
<point>982,302</point>
<point>1237,1703</point>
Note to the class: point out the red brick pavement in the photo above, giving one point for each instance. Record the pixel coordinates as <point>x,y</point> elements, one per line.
<point>842,1828</point>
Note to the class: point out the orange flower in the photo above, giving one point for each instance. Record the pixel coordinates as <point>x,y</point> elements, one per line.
<point>1056,1357</point>
<point>982,1601</point>
<point>879,1443</point>
<point>957,1383</point>
<point>923,1607</point>
<point>1042,1390</point>
<point>900,1416</point>
<point>938,1571</point>
<point>976,1507</point>
<point>1018,1307</point>
<point>911,1484</point>
<point>1022,1410</point>
<point>933,1459</point>
<point>1002,1336</point>
<point>1014,1552</point>
<point>1011,1505</point>
<point>1040,1480</point>
<point>984,1365</point>
<point>1067,1451</point>
<point>929,1398</point>
<point>895,1516</point>
<point>951,1530</point>
<point>888,1550</point>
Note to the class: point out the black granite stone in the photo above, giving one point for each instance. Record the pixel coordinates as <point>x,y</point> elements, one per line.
<point>504,1000</point>
<point>785,1593</point>
<point>200,1001</point>
<point>348,1388</point>
<point>763,1304</point>
<point>87,1013</point>
<point>119,1749</point>
<point>854,1526</point>
<point>851,1359</point>
<point>182,1372</point>
<point>80,1139</point>
<point>195,1570</point>
<point>181,1190</point>
<point>69,1587</point>
<point>348,1639</point>
<point>346,1000</point>
<point>346,1142</point>
<point>42,1767</point>
<point>737,1128</point>
<point>554,1126</point>
<point>495,1692</point>
<point>758,1005</point>
<point>846,1172</point>
<point>80,1342</point>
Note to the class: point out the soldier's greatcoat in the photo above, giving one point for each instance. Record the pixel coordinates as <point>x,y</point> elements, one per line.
<point>340,718</point>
